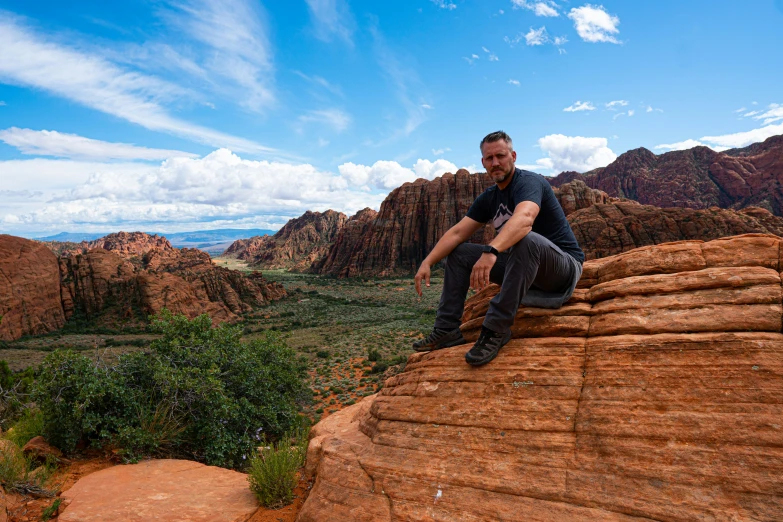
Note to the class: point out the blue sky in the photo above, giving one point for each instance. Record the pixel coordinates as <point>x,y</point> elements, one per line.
<point>191,114</point>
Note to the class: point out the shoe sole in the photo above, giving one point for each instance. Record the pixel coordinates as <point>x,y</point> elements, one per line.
<point>488,358</point>
<point>439,346</point>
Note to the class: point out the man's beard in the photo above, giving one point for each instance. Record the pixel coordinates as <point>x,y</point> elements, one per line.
<point>500,176</point>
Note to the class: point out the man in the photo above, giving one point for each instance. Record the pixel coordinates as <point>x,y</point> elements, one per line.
<point>534,257</point>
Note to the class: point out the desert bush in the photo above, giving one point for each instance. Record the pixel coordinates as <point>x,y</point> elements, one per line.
<point>16,472</point>
<point>200,392</point>
<point>322,354</point>
<point>373,354</point>
<point>272,470</point>
<point>14,394</point>
<point>29,425</point>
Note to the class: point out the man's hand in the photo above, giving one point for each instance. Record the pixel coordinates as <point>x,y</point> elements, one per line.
<point>479,277</point>
<point>423,273</point>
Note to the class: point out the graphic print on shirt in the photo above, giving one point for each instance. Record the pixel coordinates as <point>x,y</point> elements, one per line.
<point>501,216</point>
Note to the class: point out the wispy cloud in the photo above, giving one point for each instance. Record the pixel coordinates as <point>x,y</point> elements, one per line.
<point>536,36</point>
<point>334,118</point>
<point>58,144</point>
<point>32,60</point>
<point>332,19</point>
<point>470,59</point>
<point>514,82</point>
<point>444,4</point>
<point>650,108</point>
<point>235,35</point>
<point>492,56</point>
<point>545,8</point>
<point>612,105</point>
<point>682,145</point>
<point>580,106</point>
<point>440,152</point>
<point>321,82</point>
<point>593,24</point>
<point>743,139</point>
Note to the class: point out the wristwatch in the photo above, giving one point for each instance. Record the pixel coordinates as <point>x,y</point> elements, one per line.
<point>489,249</point>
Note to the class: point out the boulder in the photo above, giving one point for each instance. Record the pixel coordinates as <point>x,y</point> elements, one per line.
<point>656,393</point>
<point>38,449</point>
<point>162,490</point>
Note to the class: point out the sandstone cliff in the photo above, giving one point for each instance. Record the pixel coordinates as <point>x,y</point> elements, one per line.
<point>654,394</point>
<point>300,243</point>
<point>694,178</point>
<point>29,289</point>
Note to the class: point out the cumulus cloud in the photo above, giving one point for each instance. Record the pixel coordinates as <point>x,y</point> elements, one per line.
<point>390,174</point>
<point>332,19</point>
<point>545,8</point>
<point>593,24</point>
<point>574,153</point>
<point>58,144</point>
<point>580,106</point>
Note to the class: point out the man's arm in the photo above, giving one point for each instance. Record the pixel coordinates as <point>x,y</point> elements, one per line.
<point>517,227</point>
<point>453,237</point>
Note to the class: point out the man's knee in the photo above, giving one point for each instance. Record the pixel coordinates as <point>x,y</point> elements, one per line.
<point>459,254</point>
<point>530,244</point>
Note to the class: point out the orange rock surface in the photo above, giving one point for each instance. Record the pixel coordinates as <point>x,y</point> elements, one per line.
<point>656,393</point>
<point>162,490</point>
<point>29,289</point>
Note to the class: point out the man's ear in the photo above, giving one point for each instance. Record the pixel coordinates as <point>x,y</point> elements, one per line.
<point>514,155</point>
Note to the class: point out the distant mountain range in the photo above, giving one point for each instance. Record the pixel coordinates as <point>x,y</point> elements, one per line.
<point>212,241</point>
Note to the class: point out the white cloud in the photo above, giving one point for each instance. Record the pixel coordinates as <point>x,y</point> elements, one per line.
<point>334,118</point>
<point>471,59</point>
<point>28,59</point>
<point>536,36</point>
<point>493,58</point>
<point>390,174</point>
<point>332,18</point>
<point>53,143</point>
<point>773,113</point>
<point>681,145</point>
<point>580,106</point>
<point>616,103</point>
<point>594,24</point>
<point>743,139</point>
<point>443,4</point>
<point>631,112</point>
<point>440,152</point>
<point>238,51</point>
<point>545,8</point>
<point>426,106</point>
<point>514,82</point>
<point>321,82</point>
<point>574,153</point>
<point>743,109</point>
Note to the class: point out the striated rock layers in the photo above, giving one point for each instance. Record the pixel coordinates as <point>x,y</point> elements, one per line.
<point>300,243</point>
<point>29,289</point>
<point>656,393</point>
<point>694,178</point>
<point>411,220</point>
<point>621,225</point>
<point>38,293</point>
<point>184,281</point>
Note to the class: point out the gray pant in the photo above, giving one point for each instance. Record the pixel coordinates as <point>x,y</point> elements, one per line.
<point>534,261</point>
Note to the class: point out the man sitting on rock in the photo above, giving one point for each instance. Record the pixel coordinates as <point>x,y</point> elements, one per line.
<point>534,257</point>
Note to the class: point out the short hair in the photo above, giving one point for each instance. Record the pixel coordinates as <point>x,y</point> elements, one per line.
<point>496,136</point>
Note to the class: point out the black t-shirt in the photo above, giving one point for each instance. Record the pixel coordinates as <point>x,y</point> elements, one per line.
<point>498,205</point>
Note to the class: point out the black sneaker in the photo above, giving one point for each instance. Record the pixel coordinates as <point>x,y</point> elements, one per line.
<point>439,338</point>
<point>487,347</point>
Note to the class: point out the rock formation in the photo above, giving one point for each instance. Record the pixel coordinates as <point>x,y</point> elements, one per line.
<point>344,248</point>
<point>130,281</point>
<point>695,178</point>
<point>620,225</point>
<point>300,243</point>
<point>654,394</point>
<point>125,244</point>
<point>29,289</point>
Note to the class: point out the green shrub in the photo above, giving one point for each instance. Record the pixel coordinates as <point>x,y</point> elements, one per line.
<point>200,392</point>
<point>373,354</point>
<point>272,471</point>
<point>30,425</point>
<point>322,354</point>
<point>16,472</point>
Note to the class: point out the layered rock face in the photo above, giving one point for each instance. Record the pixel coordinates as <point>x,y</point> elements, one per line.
<point>29,289</point>
<point>654,394</point>
<point>184,281</point>
<point>694,178</point>
<point>621,225</point>
<point>300,243</point>
<point>411,220</point>
<point>343,251</point>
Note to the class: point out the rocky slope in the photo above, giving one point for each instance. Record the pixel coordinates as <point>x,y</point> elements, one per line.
<point>29,289</point>
<point>654,394</point>
<point>695,178</point>
<point>137,276</point>
<point>300,243</point>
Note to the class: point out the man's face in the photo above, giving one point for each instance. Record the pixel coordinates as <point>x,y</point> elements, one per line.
<point>498,159</point>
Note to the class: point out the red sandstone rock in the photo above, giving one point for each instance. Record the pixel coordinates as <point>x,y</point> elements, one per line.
<point>343,252</point>
<point>696,178</point>
<point>38,449</point>
<point>162,490</point>
<point>601,424</point>
<point>300,243</point>
<point>29,289</point>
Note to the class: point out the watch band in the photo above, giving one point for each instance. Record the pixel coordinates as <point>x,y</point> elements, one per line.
<point>489,249</point>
